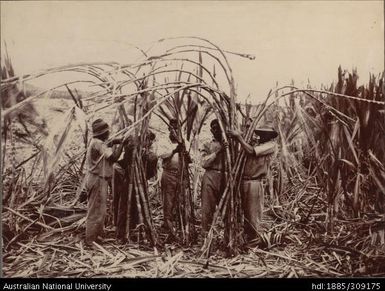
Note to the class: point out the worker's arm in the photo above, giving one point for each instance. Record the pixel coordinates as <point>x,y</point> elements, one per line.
<point>236,134</point>
<point>168,154</point>
<point>115,153</point>
<point>266,148</point>
<point>112,155</point>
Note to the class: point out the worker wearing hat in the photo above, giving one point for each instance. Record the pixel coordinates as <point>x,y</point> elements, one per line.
<point>99,159</point>
<point>259,153</point>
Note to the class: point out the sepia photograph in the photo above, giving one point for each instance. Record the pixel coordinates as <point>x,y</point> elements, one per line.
<point>192,139</point>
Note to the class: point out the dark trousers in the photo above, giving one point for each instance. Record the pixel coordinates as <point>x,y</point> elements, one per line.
<point>213,185</point>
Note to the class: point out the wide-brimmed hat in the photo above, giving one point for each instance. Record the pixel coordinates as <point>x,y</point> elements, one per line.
<point>99,127</point>
<point>266,130</point>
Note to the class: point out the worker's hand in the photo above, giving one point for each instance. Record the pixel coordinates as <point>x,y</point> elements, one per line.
<point>233,133</point>
<point>131,141</point>
<point>225,145</point>
<point>127,136</point>
<point>126,140</point>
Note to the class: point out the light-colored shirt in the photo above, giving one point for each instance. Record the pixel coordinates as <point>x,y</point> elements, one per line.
<point>97,158</point>
<point>169,163</point>
<point>218,163</point>
<point>166,148</point>
<point>258,163</point>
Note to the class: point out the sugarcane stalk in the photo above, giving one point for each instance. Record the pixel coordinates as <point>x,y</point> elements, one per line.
<point>138,197</point>
<point>131,187</point>
<point>144,207</point>
<point>190,217</point>
<point>251,57</point>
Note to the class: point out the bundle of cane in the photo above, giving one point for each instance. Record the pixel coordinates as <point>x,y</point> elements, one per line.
<point>185,211</point>
<point>229,209</point>
<point>136,175</point>
<point>173,110</point>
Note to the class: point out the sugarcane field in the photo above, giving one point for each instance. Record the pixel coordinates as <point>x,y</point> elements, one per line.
<point>192,139</point>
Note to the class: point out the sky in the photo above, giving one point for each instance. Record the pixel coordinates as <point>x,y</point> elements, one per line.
<point>292,40</point>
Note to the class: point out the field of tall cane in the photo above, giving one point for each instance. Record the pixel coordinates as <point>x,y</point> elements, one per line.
<point>326,186</point>
<point>142,89</point>
<point>342,134</point>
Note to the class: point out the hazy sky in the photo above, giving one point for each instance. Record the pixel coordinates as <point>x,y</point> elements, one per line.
<point>291,39</point>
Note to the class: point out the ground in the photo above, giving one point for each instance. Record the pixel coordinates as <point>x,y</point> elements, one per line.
<point>292,251</point>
